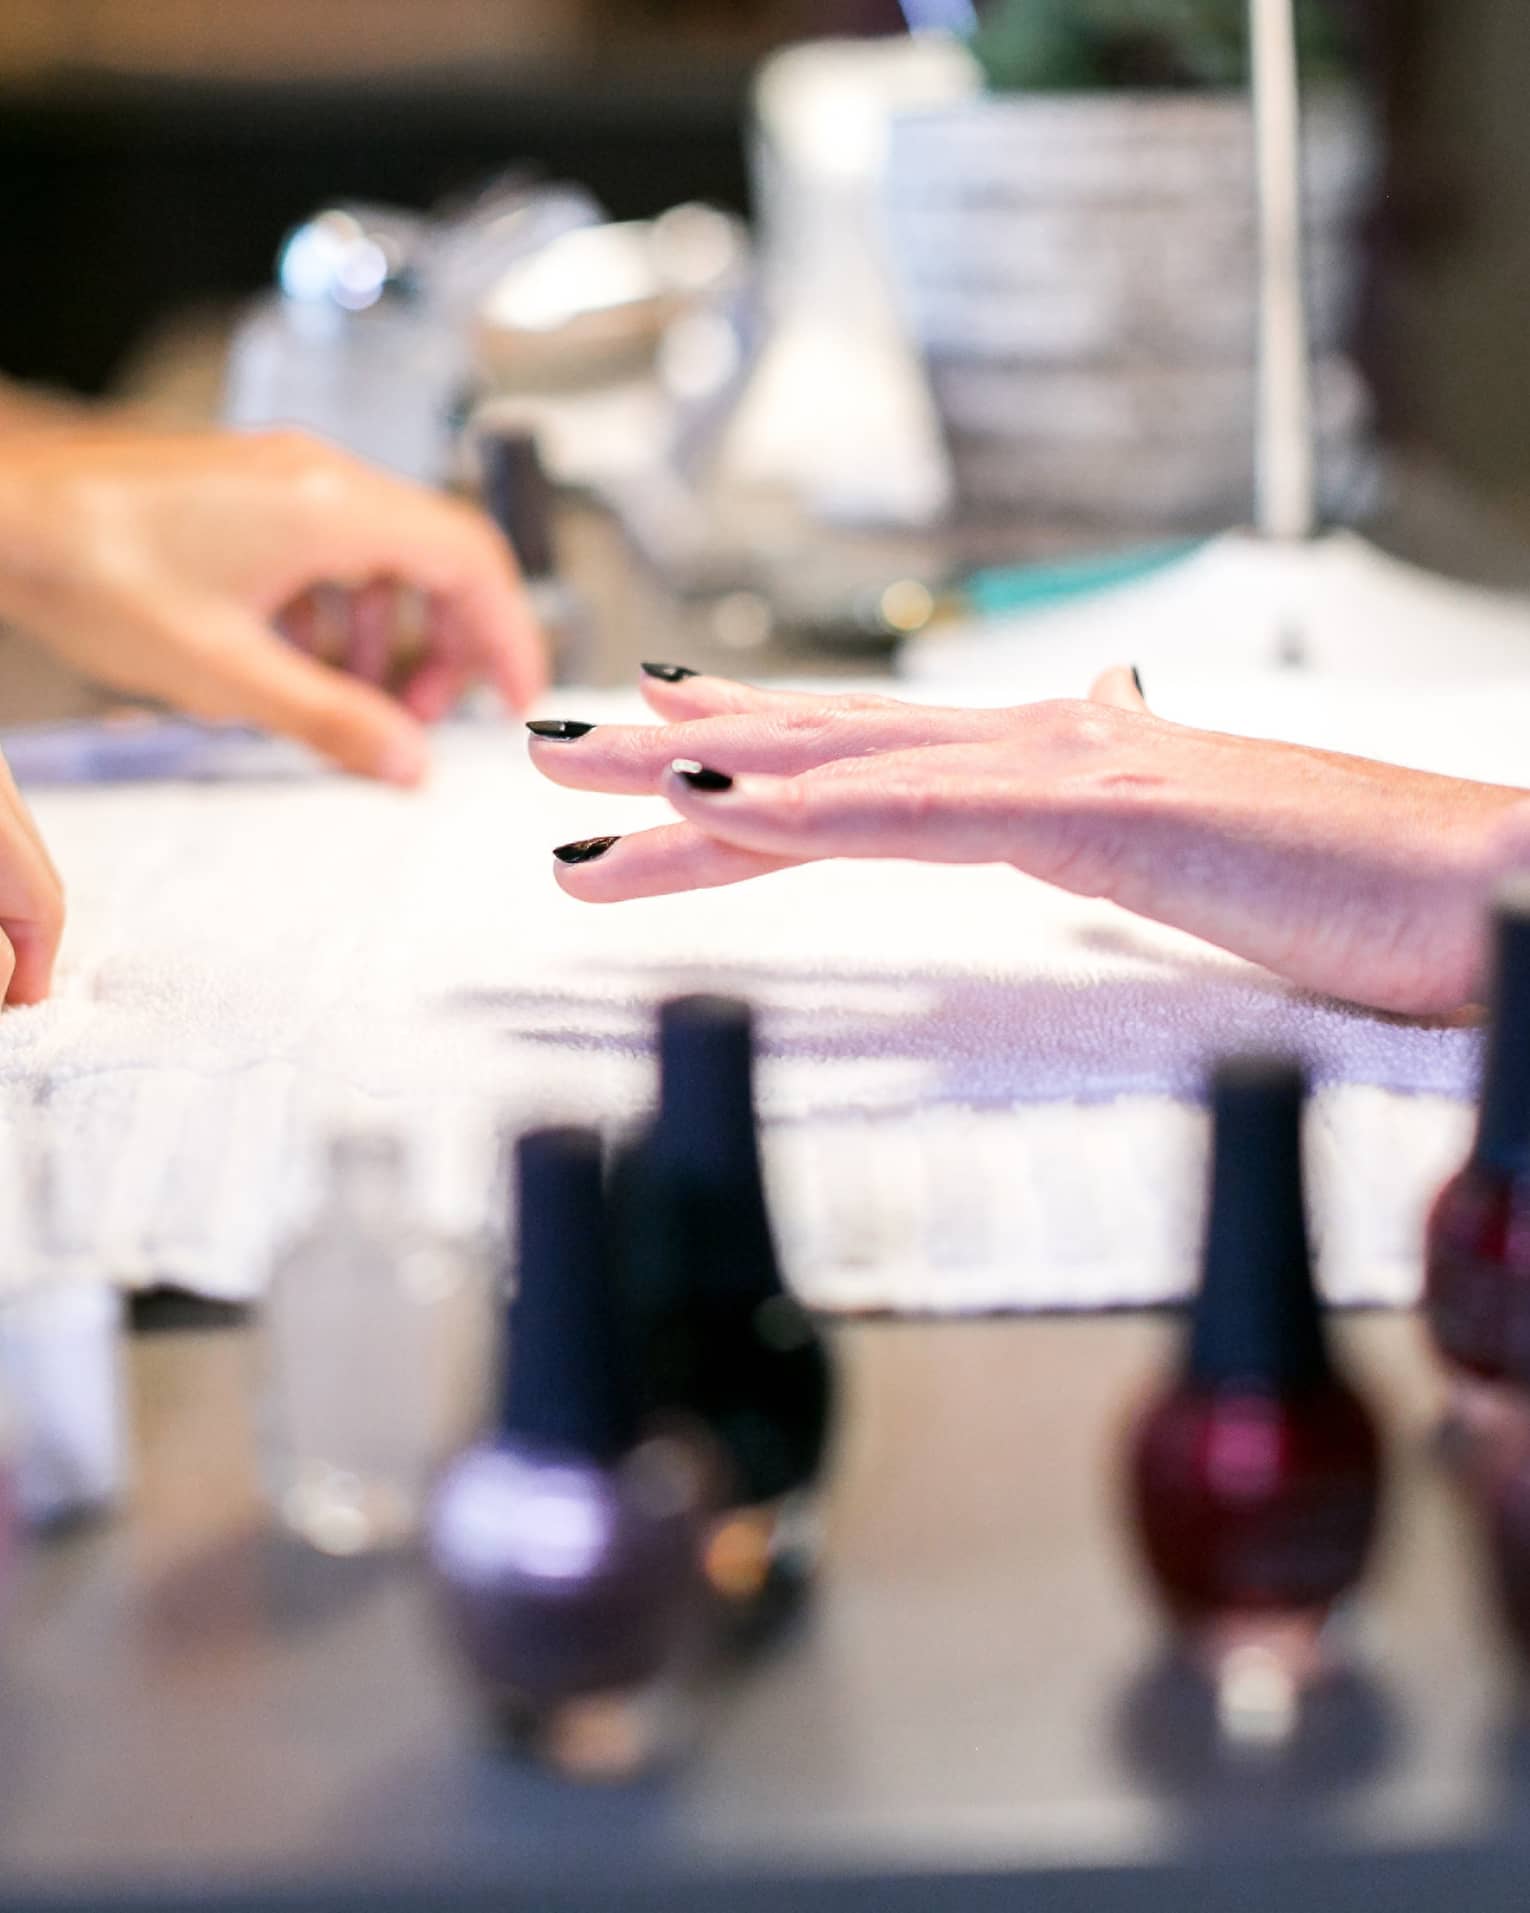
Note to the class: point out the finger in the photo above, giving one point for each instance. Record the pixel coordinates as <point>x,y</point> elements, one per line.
<point>484,620</point>
<point>298,623</point>
<point>658,863</point>
<point>218,661</point>
<point>1121,686</point>
<point>374,625</point>
<point>357,523</point>
<point>30,954</point>
<point>434,689</point>
<point>10,791</point>
<point>939,806</point>
<point>31,910</point>
<point>677,692</point>
<point>782,740</point>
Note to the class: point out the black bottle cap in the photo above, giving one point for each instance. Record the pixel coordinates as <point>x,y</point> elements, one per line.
<point>706,1087</point>
<point>1257,1320</point>
<point>519,498</point>
<point>1503,1129</point>
<point>568,1379</point>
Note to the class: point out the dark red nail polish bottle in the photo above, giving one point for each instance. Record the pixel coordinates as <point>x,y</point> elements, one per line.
<point>1477,1281</point>
<point>1256,1477</point>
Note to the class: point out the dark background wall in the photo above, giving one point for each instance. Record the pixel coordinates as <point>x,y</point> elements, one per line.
<point>152,153</point>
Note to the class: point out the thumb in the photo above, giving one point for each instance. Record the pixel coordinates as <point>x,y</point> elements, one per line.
<point>223,662</point>
<point>1120,686</point>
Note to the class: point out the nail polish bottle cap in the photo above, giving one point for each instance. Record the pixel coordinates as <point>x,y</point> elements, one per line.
<point>706,1084</point>
<point>1257,1321</point>
<point>1503,1130</point>
<point>567,1380</point>
<point>706,1139</point>
<point>519,498</point>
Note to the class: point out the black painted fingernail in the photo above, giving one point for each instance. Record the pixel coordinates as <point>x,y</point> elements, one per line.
<point>1137,680</point>
<point>585,851</point>
<point>669,673</point>
<point>561,729</point>
<point>699,777</point>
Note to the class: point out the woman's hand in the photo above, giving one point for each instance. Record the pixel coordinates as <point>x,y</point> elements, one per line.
<point>31,902</point>
<point>1347,876</point>
<point>160,564</point>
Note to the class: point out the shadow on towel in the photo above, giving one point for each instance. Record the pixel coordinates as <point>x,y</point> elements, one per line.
<point>1009,1039</point>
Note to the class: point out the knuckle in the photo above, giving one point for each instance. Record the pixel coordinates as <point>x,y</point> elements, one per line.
<point>861,704</point>
<point>807,727</point>
<point>1082,728</point>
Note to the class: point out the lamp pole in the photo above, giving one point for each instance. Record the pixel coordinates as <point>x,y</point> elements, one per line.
<point>1286,506</point>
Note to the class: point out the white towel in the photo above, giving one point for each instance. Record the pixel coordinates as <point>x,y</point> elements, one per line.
<point>980,1094</point>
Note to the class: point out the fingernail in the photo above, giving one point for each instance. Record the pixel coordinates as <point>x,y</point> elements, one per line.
<point>669,673</point>
<point>561,729</point>
<point>1137,680</point>
<point>699,777</point>
<point>585,851</point>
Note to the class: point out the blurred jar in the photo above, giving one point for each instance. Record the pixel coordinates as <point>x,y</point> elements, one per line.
<point>1081,275</point>
<point>377,1355</point>
<point>351,348</point>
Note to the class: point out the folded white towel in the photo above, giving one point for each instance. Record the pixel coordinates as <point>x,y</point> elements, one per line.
<point>980,1093</point>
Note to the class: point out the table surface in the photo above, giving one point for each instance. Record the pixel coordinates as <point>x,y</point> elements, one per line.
<point>975,1702</point>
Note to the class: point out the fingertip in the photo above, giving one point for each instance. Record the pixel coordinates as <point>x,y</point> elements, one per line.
<point>1120,687</point>
<point>404,760</point>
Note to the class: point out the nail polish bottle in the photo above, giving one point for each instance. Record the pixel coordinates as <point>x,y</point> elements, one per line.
<point>1255,1478</point>
<point>1477,1256</point>
<point>564,1548</point>
<point>724,1346</point>
<point>518,495</point>
<point>61,1375</point>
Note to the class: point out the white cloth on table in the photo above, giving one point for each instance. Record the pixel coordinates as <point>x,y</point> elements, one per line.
<point>980,1093</point>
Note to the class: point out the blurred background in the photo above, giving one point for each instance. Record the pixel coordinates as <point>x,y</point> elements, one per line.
<point>1025,351</point>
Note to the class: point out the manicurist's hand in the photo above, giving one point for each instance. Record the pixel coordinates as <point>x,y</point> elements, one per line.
<point>1350,877</point>
<point>31,902</point>
<point>161,565</point>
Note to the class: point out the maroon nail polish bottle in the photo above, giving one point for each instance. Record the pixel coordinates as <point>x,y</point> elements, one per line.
<point>1255,1478</point>
<point>1477,1265</point>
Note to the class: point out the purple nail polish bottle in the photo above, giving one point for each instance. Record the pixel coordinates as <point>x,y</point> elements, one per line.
<point>564,1547</point>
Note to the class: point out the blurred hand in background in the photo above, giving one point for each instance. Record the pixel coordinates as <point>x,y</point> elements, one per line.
<point>163,565</point>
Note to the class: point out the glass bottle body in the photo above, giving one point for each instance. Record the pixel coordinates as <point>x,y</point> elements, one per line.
<point>572,1590</point>
<point>377,1355</point>
<point>1254,1508</point>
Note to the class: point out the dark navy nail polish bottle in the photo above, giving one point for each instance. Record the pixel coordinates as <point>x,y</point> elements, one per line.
<point>723,1343</point>
<point>564,1548</point>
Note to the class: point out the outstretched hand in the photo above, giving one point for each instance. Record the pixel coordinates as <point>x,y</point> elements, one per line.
<point>1351,877</point>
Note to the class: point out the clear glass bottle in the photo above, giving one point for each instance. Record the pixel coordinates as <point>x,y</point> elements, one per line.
<point>376,1356</point>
